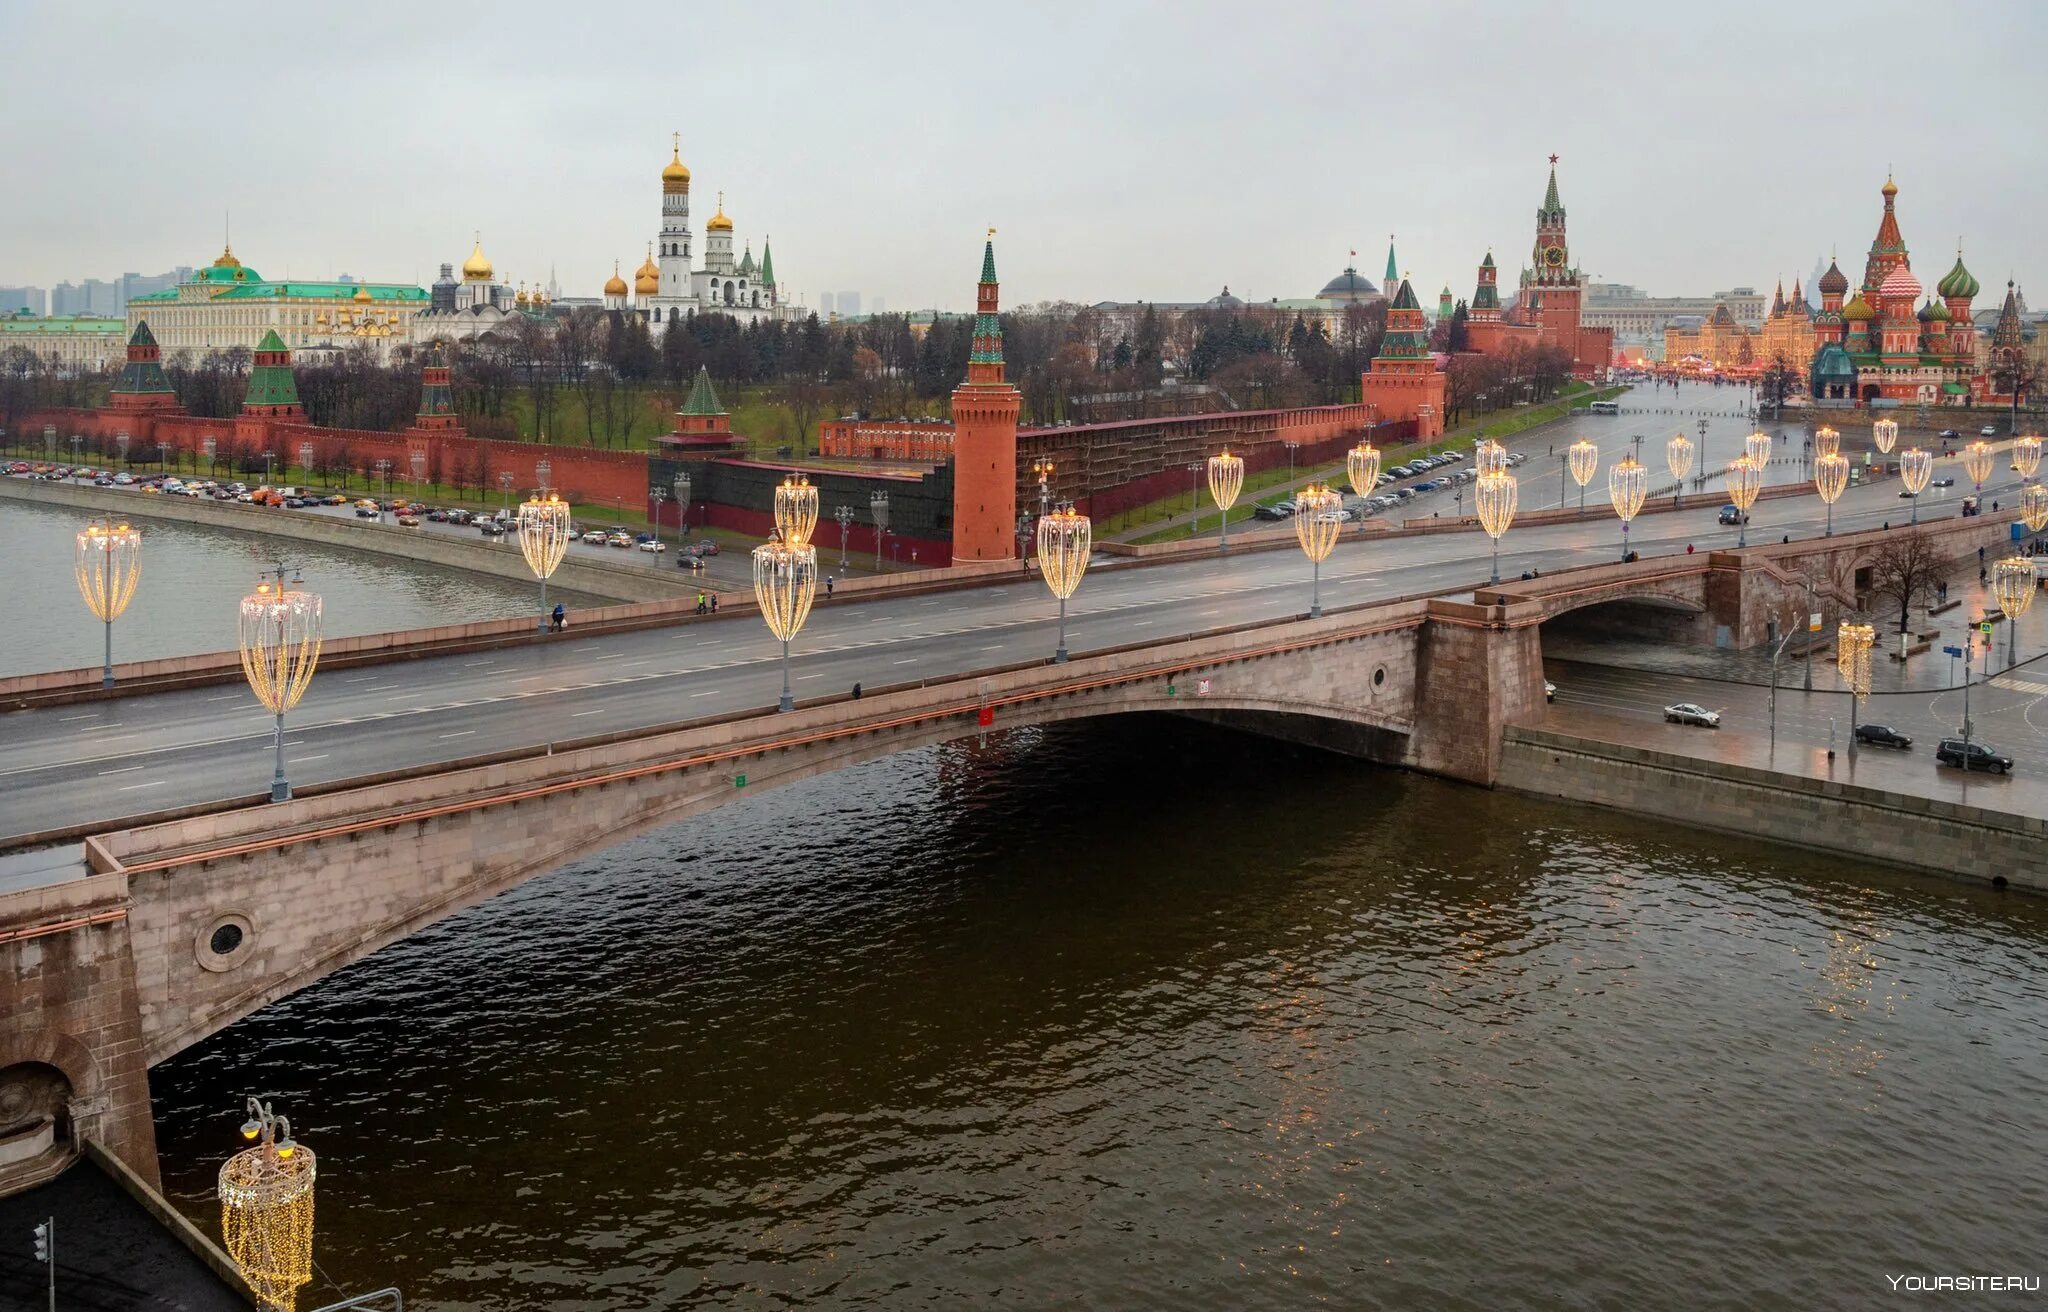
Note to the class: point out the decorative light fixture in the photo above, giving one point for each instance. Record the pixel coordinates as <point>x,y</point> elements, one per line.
<point>796,510</point>
<point>1489,457</point>
<point>306,458</point>
<point>1757,446</point>
<point>1362,467</point>
<point>108,565</point>
<point>1830,477</point>
<point>1066,538</point>
<point>1495,496</point>
<point>543,540</point>
<point>1678,456</point>
<point>785,581</point>
<point>418,462</point>
<point>681,486</point>
<point>1826,441</point>
<point>2034,507</point>
<point>1884,434</point>
<point>1977,462</point>
<point>1916,468</point>
<point>1226,480</point>
<point>2026,454</point>
<point>1745,480</point>
<point>1584,459</point>
<point>878,510</point>
<point>280,642</point>
<point>2014,581</point>
<point>266,1209</point>
<point>1627,484</point>
<point>1318,512</point>
<point>1852,659</point>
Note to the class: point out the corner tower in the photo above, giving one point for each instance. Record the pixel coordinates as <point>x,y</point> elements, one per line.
<point>985,436</point>
<point>273,389</point>
<point>1404,382</point>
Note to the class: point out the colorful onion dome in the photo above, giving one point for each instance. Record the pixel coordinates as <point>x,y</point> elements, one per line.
<point>1899,282</point>
<point>1834,282</point>
<point>1958,281</point>
<point>615,285</point>
<point>362,296</point>
<point>1858,310</point>
<point>476,268</point>
<point>1935,312</point>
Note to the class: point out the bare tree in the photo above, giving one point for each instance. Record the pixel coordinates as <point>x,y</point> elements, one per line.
<point>1906,566</point>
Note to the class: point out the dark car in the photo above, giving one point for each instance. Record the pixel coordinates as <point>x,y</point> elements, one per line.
<point>1970,756</point>
<point>1878,735</point>
<point>1732,514</point>
<point>1949,434</point>
<point>1943,482</point>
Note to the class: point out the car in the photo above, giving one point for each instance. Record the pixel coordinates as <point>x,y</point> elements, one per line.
<point>1428,485</point>
<point>367,512</point>
<point>1271,512</point>
<point>1516,458</point>
<point>706,548</point>
<point>688,560</point>
<point>437,516</point>
<point>1454,456</point>
<point>1908,495</point>
<point>1402,471</point>
<point>490,528</point>
<point>1732,514</point>
<point>1949,434</point>
<point>1549,691</point>
<point>595,537</point>
<point>334,499</point>
<point>1944,481</point>
<point>654,547</point>
<point>621,540</point>
<point>1971,756</point>
<point>409,521</point>
<point>1692,713</point>
<point>1989,430</point>
<point>1878,735</point>
<point>1383,480</point>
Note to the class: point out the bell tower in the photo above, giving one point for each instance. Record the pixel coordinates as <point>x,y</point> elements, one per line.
<point>985,436</point>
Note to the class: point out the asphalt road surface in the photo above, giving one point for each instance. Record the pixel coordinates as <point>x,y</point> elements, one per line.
<point>101,761</point>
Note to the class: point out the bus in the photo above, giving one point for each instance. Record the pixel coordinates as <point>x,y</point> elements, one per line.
<point>1605,407</point>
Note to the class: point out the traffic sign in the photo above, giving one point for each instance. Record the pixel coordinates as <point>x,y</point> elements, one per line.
<point>1813,622</point>
<point>1952,651</point>
<point>1985,628</point>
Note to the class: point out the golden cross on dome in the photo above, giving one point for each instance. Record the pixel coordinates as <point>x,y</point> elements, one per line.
<point>677,138</point>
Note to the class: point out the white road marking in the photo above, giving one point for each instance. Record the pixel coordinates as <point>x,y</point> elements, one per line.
<point>712,693</point>
<point>301,760</point>
<point>801,677</point>
<point>154,783</point>
<point>577,715</point>
<point>907,660</point>
<point>89,715</point>
<point>464,733</point>
<point>224,697</point>
<point>123,770</point>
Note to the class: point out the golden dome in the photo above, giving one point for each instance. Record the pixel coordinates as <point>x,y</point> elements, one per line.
<point>476,268</point>
<point>675,175</point>
<point>649,269</point>
<point>362,296</point>
<point>615,285</point>
<point>521,298</point>
<point>227,258</point>
<point>719,223</point>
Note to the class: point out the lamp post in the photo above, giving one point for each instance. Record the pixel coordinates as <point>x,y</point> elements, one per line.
<point>209,445</point>
<point>2026,455</point>
<point>1495,496</point>
<point>543,540</point>
<point>878,511</point>
<point>1290,460</point>
<point>1702,451</point>
<point>383,468</point>
<point>280,642</point>
<point>1043,470</point>
<point>2034,507</point>
<point>1489,457</point>
<point>1065,540</point>
<point>1627,484</point>
<point>1884,434</point>
<point>680,485</point>
<point>1826,442</point>
<point>1830,476</point>
<point>121,440</point>
<point>1977,463</point>
<point>1678,457</point>
<point>543,471</point>
<point>269,462</point>
<point>306,459</point>
<point>845,517</point>
<point>2014,581</point>
<point>1316,525</point>
<point>796,510</point>
<point>416,461</point>
<point>163,457</point>
<point>1852,659</point>
<point>1584,459</point>
<point>1757,446</point>
<point>266,1209</point>
<point>1916,467</point>
<point>785,582</point>
<point>1745,480</point>
<point>1226,480</point>
<point>76,442</point>
<point>1194,469</point>
<point>659,496</point>
<point>505,489</point>
<point>108,565</point>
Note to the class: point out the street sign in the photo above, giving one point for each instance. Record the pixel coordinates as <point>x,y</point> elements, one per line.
<point>987,716</point>
<point>739,781</point>
<point>1201,687</point>
<point>1985,628</point>
<point>1813,622</point>
<point>1952,651</point>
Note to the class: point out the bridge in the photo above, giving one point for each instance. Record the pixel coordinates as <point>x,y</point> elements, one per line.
<point>163,901</point>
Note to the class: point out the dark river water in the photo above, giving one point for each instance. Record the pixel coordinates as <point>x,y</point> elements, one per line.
<point>1137,1014</point>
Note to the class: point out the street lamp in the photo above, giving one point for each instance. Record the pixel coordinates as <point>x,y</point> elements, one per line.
<point>2034,507</point>
<point>878,510</point>
<point>1316,525</point>
<point>1916,467</point>
<point>1489,457</point>
<point>845,517</point>
<point>1852,659</point>
<point>2014,581</point>
<point>680,485</point>
<point>785,581</point>
<point>1826,442</point>
<point>1884,434</point>
<point>209,445</point>
<point>1678,456</point>
<point>1226,480</point>
<point>1290,460</point>
<point>280,642</point>
<point>266,1209</point>
<point>1830,476</point>
<point>1703,453</point>
<point>417,462</point>
<point>108,565</point>
<point>796,509</point>
<point>1043,470</point>
<point>1194,498</point>
<point>1066,537</point>
<point>1584,458</point>
<point>1495,497</point>
<point>1757,446</point>
<point>306,459</point>
<point>543,540</point>
<point>121,440</point>
<point>659,496</point>
<point>505,489</point>
<point>1627,484</point>
<point>269,461</point>
<point>1977,462</point>
<point>2026,455</point>
<point>543,470</point>
<point>1745,480</point>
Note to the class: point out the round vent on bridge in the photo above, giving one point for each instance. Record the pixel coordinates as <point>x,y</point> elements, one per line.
<point>1379,677</point>
<point>225,941</point>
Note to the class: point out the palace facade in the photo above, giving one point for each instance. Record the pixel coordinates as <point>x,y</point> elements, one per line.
<point>228,304</point>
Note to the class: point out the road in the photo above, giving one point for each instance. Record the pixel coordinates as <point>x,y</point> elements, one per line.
<point>99,762</point>
<point>2010,713</point>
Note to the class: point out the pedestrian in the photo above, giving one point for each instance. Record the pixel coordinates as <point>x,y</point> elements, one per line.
<point>828,587</point>
<point>1786,539</point>
<point>700,602</point>
<point>714,603</point>
<point>856,692</point>
<point>1688,548</point>
<point>561,615</point>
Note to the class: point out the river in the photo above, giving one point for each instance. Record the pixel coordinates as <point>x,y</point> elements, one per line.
<point>1139,1014</point>
<point>193,576</point>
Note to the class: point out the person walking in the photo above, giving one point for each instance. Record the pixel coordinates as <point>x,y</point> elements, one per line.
<point>561,615</point>
<point>700,602</point>
<point>714,603</point>
<point>856,692</point>
<point>828,587</point>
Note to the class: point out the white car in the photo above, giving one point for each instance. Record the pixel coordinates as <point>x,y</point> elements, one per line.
<point>653,547</point>
<point>1691,713</point>
<point>595,537</point>
<point>1989,430</point>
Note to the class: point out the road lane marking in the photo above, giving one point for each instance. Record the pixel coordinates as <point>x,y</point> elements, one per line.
<point>712,693</point>
<point>154,783</point>
<point>125,769</point>
<point>301,760</point>
<point>224,697</point>
<point>577,715</point>
<point>801,677</point>
<point>464,733</point>
<point>89,715</point>
<point>617,655</point>
<point>907,660</point>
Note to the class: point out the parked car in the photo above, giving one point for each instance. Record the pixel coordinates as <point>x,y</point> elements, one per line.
<point>1989,430</point>
<point>1516,458</point>
<point>460,517</point>
<point>1908,495</point>
<point>1949,434</point>
<point>1878,735</point>
<point>409,521</point>
<point>595,537</point>
<point>1732,514</point>
<point>1692,713</point>
<point>705,548</point>
<point>1428,485</point>
<point>654,547</point>
<point>1971,756</point>
<point>1281,511</point>
<point>490,528</point>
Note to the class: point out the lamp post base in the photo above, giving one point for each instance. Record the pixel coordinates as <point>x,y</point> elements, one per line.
<point>280,791</point>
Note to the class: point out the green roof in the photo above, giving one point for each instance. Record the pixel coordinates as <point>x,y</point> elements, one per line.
<point>66,323</point>
<point>1392,272</point>
<point>227,273</point>
<point>271,384</point>
<point>767,264</point>
<point>1551,204</point>
<point>271,342</point>
<point>988,262</point>
<point>331,291</point>
<point>161,294</point>
<point>702,400</point>
<point>1404,299</point>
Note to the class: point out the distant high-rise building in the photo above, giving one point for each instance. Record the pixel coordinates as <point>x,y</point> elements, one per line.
<point>93,296</point>
<point>879,307</point>
<point>849,304</point>
<point>33,299</point>
<point>825,305</point>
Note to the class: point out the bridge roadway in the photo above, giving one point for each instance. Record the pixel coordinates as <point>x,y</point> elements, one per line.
<point>98,763</point>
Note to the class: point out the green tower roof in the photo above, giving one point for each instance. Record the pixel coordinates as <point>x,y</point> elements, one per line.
<point>988,262</point>
<point>767,264</point>
<point>271,342</point>
<point>1393,270</point>
<point>702,400</point>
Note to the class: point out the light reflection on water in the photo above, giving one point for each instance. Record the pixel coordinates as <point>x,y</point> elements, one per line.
<point>1136,1014</point>
<point>194,575</point>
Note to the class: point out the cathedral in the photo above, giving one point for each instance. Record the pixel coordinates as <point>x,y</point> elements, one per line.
<point>668,287</point>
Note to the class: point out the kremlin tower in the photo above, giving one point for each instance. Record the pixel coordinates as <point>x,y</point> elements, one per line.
<point>1404,382</point>
<point>985,437</point>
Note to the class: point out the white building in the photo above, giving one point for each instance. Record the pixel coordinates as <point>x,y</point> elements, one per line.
<point>670,287</point>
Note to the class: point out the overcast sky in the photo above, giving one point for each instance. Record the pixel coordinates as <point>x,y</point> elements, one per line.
<point>1122,151</point>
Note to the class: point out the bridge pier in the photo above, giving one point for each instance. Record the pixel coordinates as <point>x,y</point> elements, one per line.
<point>1479,669</point>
